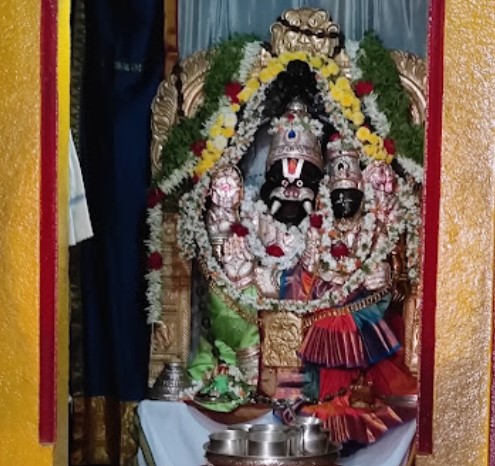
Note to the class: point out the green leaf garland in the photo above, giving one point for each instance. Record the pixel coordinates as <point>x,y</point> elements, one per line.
<point>377,66</point>
<point>224,60</point>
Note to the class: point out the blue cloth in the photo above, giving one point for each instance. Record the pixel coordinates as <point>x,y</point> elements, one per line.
<point>401,24</point>
<point>123,67</point>
<point>378,339</point>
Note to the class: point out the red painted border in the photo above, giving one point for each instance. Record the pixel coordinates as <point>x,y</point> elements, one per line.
<point>48,222</point>
<point>431,211</point>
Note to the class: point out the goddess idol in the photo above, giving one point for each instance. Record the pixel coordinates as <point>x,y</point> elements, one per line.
<point>304,225</point>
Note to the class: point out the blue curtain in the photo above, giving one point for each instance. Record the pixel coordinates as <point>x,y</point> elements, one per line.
<point>401,24</point>
<point>123,67</point>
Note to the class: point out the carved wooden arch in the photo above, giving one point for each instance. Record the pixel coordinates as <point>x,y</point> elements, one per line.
<point>168,105</point>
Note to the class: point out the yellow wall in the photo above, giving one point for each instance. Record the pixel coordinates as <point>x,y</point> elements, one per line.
<point>63,76</point>
<point>19,239</point>
<point>466,244</point>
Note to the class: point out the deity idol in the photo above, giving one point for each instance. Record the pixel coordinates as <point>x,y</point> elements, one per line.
<point>304,232</point>
<point>304,238</point>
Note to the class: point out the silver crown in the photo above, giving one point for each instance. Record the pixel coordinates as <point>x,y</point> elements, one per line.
<point>344,170</point>
<point>295,136</point>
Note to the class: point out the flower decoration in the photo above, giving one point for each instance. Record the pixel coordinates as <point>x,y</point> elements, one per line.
<point>239,229</point>
<point>197,147</point>
<point>232,91</point>
<point>274,250</point>
<point>389,145</point>
<point>155,197</point>
<point>316,220</point>
<point>155,261</point>
<point>339,250</point>
<point>363,88</point>
<point>360,124</point>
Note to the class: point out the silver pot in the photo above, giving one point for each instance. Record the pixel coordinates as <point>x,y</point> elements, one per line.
<point>310,437</point>
<point>270,428</point>
<point>172,380</point>
<point>228,442</point>
<point>268,443</point>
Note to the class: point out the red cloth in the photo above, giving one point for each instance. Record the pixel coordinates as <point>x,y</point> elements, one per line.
<point>332,380</point>
<point>345,422</point>
<point>388,378</point>
<point>334,342</point>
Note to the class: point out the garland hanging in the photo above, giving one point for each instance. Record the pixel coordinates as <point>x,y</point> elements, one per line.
<point>377,66</point>
<point>215,136</point>
<point>224,64</point>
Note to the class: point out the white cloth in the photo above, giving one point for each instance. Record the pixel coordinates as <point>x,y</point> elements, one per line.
<point>176,433</point>
<point>79,221</point>
<point>390,450</point>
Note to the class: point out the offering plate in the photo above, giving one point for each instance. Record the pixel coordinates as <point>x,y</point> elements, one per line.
<point>324,459</point>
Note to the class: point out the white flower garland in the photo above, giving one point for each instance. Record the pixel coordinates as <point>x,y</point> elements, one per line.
<point>252,51</point>
<point>154,277</point>
<point>378,119</point>
<point>257,209</point>
<point>168,185</point>
<point>352,49</point>
<point>412,168</point>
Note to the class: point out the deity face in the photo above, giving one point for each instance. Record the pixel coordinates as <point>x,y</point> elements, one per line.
<point>290,199</point>
<point>346,202</point>
<point>345,179</point>
<point>226,188</point>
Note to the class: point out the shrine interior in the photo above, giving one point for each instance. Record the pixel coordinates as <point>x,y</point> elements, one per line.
<point>261,235</point>
<point>255,257</point>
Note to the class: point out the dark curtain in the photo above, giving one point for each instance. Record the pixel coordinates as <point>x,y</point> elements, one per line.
<point>121,70</point>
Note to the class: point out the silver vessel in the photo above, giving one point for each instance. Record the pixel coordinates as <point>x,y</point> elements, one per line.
<point>170,383</point>
<point>304,443</point>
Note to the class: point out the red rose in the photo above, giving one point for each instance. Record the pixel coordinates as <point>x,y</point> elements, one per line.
<point>316,220</point>
<point>389,145</point>
<point>335,137</point>
<point>155,261</point>
<point>290,116</point>
<point>155,196</point>
<point>363,88</point>
<point>197,147</point>
<point>239,229</point>
<point>232,89</point>
<point>274,250</point>
<point>339,250</point>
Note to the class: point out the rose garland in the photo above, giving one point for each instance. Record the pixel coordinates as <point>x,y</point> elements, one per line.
<point>223,140</point>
